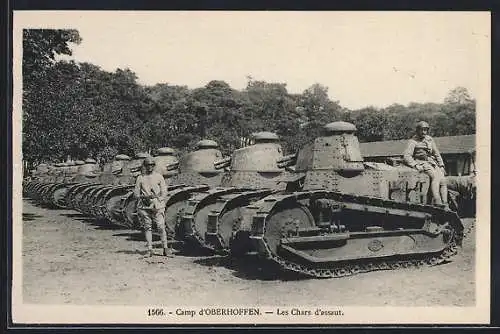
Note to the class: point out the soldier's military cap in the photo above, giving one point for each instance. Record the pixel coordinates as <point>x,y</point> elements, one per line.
<point>422,125</point>
<point>149,161</point>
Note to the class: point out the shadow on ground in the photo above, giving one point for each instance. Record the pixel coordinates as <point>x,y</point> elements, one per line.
<point>47,206</point>
<point>188,250</point>
<point>134,236</point>
<point>76,215</point>
<point>103,224</point>
<point>139,236</point>
<point>132,252</point>
<point>30,216</point>
<point>246,267</point>
<point>251,268</point>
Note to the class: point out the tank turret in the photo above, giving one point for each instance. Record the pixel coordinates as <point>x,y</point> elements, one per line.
<point>41,170</point>
<point>112,169</point>
<point>165,157</point>
<point>197,167</point>
<point>133,168</point>
<point>337,150</point>
<point>62,169</point>
<point>211,217</point>
<point>72,171</point>
<point>333,161</point>
<point>87,171</point>
<point>255,166</point>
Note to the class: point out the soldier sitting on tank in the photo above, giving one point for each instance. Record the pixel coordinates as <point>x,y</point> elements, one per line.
<point>151,191</point>
<point>423,155</point>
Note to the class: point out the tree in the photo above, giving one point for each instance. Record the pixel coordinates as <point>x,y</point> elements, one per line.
<point>90,113</point>
<point>371,124</point>
<point>458,95</point>
<point>398,121</point>
<point>269,107</point>
<point>315,110</point>
<point>168,115</point>
<point>40,47</point>
<point>218,114</point>
<point>80,110</point>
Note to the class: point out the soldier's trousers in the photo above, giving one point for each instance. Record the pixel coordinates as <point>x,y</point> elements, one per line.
<point>147,218</point>
<point>438,182</point>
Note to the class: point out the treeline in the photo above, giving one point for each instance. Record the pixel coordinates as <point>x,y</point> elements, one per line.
<point>78,110</point>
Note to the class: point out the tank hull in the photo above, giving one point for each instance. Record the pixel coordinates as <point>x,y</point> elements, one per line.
<point>331,234</point>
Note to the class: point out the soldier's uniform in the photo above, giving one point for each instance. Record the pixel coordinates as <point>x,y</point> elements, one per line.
<point>422,154</point>
<point>151,191</point>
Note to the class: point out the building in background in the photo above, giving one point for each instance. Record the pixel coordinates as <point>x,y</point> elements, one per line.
<point>459,156</point>
<point>458,152</point>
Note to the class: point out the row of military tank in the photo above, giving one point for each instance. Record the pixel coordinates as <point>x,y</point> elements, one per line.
<point>322,212</point>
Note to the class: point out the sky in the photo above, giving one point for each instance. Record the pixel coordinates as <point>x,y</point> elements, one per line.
<point>364,58</point>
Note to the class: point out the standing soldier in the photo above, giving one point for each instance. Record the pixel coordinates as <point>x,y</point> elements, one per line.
<point>151,191</point>
<point>423,155</point>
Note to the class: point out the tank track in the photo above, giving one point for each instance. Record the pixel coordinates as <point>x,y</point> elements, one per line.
<point>127,194</point>
<point>73,191</point>
<point>365,265</point>
<point>187,217</point>
<point>224,203</point>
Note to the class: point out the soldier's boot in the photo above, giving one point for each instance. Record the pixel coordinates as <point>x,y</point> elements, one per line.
<point>149,241</point>
<point>163,236</point>
<point>167,252</point>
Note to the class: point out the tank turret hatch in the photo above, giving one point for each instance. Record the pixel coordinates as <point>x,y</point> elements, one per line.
<point>206,143</point>
<point>115,167</point>
<point>339,127</point>
<point>135,165</point>
<point>165,151</point>
<point>90,168</point>
<point>265,137</point>
<point>165,157</point>
<point>122,157</point>
<point>142,155</point>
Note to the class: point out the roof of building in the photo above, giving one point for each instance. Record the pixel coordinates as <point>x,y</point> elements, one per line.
<point>446,145</point>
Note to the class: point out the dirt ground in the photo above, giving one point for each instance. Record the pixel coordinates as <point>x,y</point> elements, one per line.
<point>69,258</point>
